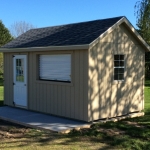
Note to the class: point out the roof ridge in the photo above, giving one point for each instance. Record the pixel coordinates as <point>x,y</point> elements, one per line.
<point>77,23</point>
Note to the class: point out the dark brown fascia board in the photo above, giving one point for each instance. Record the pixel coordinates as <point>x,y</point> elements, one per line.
<point>49,48</point>
<point>130,26</point>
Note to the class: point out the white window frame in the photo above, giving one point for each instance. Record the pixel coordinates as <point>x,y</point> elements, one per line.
<point>55,67</point>
<point>120,66</point>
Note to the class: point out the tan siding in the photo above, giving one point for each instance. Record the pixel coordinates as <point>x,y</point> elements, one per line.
<point>63,110</point>
<point>63,99</point>
<point>85,86</point>
<point>59,100</point>
<point>30,86</point>
<point>51,98</point>
<point>93,108</point>
<point>8,77</point>
<point>81,88</point>
<point>45,98</point>
<point>48,106</point>
<point>72,112</point>
<point>67,101</point>
<point>77,84</point>
<point>37,95</point>
<point>115,98</point>
<point>113,101</point>
<point>11,78</point>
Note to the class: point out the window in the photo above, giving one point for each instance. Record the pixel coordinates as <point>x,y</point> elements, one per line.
<point>55,67</point>
<point>119,67</point>
<point>19,70</point>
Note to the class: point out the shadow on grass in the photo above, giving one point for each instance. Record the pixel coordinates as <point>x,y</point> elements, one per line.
<point>1,103</point>
<point>122,134</point>
<point>1,81</point>
<point>147,83</point>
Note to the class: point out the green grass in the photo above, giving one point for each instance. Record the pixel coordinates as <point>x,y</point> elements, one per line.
<point>1,92</point>
<point>147,97</point>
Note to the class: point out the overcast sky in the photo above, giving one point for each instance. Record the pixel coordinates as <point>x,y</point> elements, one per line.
<point>42,13</point>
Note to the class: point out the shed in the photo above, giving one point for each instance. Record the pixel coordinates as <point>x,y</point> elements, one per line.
<point>85,71</point>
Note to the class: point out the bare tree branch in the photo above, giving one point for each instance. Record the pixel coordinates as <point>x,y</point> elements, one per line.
<point>20,27</point>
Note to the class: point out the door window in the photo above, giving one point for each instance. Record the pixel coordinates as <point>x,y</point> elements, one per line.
<point>20,70</point>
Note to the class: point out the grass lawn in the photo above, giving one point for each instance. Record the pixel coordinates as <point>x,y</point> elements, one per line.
<point>125,134</point>
<point>147,97</point>
<point>1,92</point>
<point>1,95</point>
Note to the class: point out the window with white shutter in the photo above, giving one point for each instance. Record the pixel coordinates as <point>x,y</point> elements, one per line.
<point>55,67</point>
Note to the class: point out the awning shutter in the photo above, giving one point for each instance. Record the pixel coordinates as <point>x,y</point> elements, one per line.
<point>55,67</point>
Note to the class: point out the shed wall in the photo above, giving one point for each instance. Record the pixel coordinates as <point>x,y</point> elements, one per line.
<point>57,98</point>
<point>108,98</point>
<point>8,79</point>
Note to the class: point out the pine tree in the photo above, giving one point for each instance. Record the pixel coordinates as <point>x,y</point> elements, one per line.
<point>142,12</point>
<point>5,35</point>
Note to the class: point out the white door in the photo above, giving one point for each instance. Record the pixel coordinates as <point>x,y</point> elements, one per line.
<point>20,80</point>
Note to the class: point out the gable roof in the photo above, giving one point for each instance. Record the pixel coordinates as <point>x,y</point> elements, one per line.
<point>71,36</point>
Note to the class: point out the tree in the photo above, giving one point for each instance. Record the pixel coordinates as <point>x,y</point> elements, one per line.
<point>20,27</point>
<point>5,37</point>
<point>147,65</point>
<point>142,12</point>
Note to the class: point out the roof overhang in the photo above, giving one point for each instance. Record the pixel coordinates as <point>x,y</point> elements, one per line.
<point>131,28</point>
<point>49,48</point>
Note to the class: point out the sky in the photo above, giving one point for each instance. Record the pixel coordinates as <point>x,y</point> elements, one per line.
<point>43,13</point>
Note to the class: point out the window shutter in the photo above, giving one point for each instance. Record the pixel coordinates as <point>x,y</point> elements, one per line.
<point>55,67</point>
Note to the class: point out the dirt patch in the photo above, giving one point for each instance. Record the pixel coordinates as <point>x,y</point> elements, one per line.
<point>111,132</point>
<point>11,130</point>
<point>135,124</point>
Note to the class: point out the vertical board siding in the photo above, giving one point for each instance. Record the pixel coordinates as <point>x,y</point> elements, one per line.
<point>77,84</point>
<point>11,78</point>
<point>60,99</point>
<point>72,101</point>
<point>48,104</point>
<point>67,102</point>
<point>8,79</point>
<point>85,83</point>
<point>81,88</point>
<point>63,94</point>
<point>115,98</point>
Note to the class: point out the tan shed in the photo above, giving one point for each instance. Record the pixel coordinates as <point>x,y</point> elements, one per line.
<point>85,71</point>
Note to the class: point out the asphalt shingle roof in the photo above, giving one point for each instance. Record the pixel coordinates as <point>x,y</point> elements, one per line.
<point>63,35</point>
